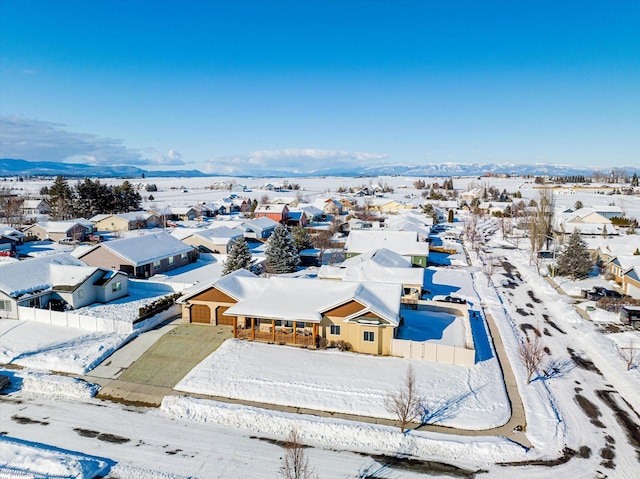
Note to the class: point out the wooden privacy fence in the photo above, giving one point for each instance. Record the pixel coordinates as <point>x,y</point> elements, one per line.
<point>439,353</point>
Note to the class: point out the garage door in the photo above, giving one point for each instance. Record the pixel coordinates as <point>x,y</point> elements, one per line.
<point>221,319</point>
<point>200,313</point>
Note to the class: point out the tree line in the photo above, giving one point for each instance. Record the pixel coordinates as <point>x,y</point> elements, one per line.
<point>88,198</point>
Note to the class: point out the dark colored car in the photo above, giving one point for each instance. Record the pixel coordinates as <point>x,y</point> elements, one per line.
<point>453,299</point>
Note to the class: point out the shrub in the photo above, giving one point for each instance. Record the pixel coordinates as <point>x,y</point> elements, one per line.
<point>341,345</point>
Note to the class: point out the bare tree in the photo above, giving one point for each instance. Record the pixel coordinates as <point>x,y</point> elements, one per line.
<point>295,464</point>
<point>531,353</point>
<point>406,403</point>
<point>629,354</point>
<point>11,208</point>
<point>489,267</point>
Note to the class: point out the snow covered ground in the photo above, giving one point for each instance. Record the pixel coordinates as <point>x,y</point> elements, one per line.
<point>55,348</point>
<point>334,381</point>
<point>582,407</point>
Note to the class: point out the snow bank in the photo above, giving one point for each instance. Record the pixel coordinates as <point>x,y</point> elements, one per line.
<point>330,433</point>
<point>58,387</point>
<point>27,459</point>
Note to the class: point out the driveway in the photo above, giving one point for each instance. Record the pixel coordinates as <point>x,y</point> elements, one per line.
<point>154,374</point>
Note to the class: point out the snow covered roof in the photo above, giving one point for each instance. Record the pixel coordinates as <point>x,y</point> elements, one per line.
<point>35,274</point>
<point>240,284</point>
<point>378,266</point>
<point>144,249</point>
<point>69,275</point>
<point>593,229</point>
<point>9,232</point>
<point>298,299</point>
<point>260,223</point>
<point>64,226</point>
<point>218,233</point>
<point>627,261</point>
<point>402,242</point>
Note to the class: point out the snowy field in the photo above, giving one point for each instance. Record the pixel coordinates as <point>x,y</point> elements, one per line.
<point>334,381</point>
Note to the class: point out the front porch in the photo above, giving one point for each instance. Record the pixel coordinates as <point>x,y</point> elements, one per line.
<point>276,331</point>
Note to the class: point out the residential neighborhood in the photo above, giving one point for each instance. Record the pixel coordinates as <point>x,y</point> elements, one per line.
<point>441,287</point>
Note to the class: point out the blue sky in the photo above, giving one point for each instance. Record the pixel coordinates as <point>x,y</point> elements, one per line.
<point>219,85</point>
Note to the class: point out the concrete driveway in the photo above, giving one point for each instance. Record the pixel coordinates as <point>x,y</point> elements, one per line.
<point>143,373</point>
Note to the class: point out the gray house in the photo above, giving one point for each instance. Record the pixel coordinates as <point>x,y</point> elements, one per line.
<point>258,228</point>
<point>57,281</point>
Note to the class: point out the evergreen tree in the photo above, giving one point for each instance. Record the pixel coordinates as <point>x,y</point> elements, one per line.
<point>634,180</point>
<point>301,238</point>
<point>60,199</point>
<point>281,253</point>
<point>578,205</point>
<point>574,260</point>
<point>239,256</point>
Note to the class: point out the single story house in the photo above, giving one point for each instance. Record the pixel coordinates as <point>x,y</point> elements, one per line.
<point>141,256</point>
<point>76,229</point>
<point>125,221</point>
<point>216,239</point>
<point>296,311</point>
<point>56,281</point>
<point>404,243</point>
<point>258,228</point>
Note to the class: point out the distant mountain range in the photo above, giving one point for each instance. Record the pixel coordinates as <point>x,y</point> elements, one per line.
<point>13,167</point>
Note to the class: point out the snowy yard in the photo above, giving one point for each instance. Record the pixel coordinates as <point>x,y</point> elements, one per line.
<point>55,348</point>
<point>456,396</point>
<point>433,326</point>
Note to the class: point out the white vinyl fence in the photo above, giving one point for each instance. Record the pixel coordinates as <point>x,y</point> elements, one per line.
<point>439,353</point>
<point>74,320</point>
<point>93,323</point>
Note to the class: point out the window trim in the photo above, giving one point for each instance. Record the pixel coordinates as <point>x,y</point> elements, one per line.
<point>369,336</point>
<point>334,330</point>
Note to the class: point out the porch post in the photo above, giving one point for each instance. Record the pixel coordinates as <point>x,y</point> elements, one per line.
<point>273,330</point>
<point>294,333</point>
<point>253,328</point>
<point>235,327</point>
<point>315,333</point>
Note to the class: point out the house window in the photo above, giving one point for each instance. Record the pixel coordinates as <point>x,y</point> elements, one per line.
<point>334,330</point>
<point>5,305</point>
<point>170,260</point>
<point>156,264</point>
<point>183,256</point>
<point>80,293</point>
<point>369,336</point>
<point>117,286</point>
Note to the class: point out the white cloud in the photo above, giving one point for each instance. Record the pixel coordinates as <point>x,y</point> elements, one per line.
<point>172,158</point>
<point>292,160</point>
<point>36,140</point>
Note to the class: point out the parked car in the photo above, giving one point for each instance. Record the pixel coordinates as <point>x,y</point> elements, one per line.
<point>454,299</point>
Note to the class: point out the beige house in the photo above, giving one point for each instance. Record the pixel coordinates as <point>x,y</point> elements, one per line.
<point>300,311</point>
<point>216,240</point>
<point>77,229</point>
<point>125,221</point>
